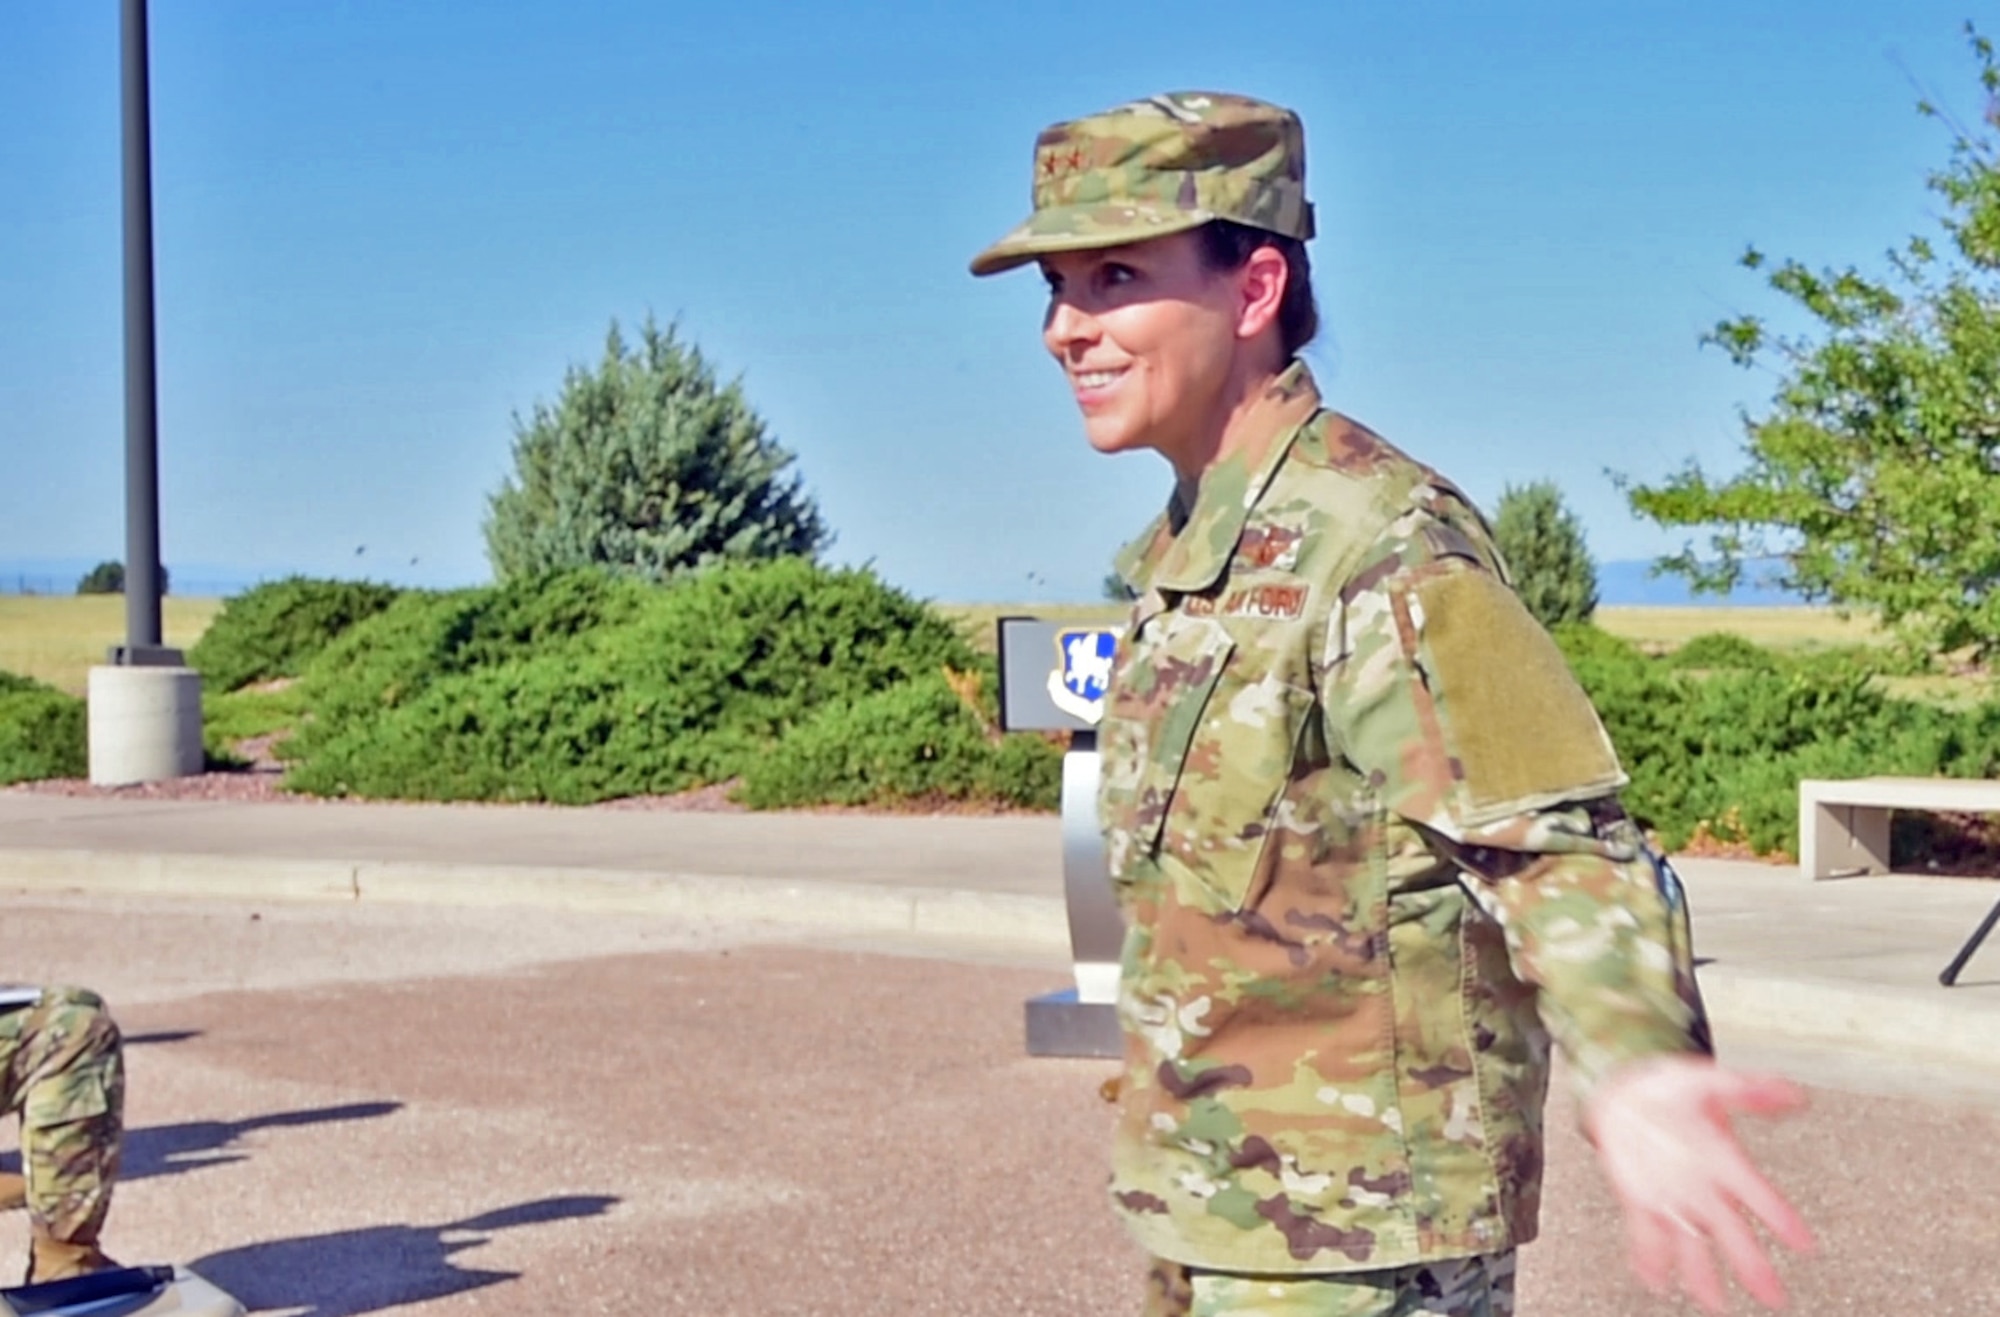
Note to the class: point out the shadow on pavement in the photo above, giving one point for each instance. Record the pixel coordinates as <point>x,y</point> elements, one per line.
<point>172,1149</point>
<point>350,1272</point>
<point>160,1036</point>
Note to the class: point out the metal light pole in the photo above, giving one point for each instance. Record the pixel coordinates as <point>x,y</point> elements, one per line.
<point>142,646</point>
<point>145,704</point>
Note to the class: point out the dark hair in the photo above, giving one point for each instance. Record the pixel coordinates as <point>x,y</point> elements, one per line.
<point>1226,245</point>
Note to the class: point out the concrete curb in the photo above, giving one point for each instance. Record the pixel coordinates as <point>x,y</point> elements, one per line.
<point>1842,1015</point>
<point>1846,1016</point>
<point>1034,923</point>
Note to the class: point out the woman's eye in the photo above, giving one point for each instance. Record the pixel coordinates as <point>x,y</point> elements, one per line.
<point>1115,274</point>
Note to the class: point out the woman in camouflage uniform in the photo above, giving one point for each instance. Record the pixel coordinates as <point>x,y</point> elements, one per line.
<point>1362,823</point>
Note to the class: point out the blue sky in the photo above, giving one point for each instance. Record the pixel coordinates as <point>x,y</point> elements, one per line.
<point>383,229</point>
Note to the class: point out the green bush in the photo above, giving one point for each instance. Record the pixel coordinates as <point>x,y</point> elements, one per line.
<point>426,636</point>
<point>759,646</point>
<point>583,686</point>
<point>910,743</point>
<point>274,629</point>
<point>1721,651</point>
<point>1585,642</point>
<point>43,732</point>
<point>1895,660</point>
<point>553,729</point>
<point>387,659</point>
<point>1722,752</point>
<point>231,717</point>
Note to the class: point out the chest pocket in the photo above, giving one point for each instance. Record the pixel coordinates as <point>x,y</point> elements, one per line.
<point>1198,745</point>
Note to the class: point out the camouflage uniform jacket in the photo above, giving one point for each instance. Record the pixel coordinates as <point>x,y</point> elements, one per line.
<point>1364,829</point>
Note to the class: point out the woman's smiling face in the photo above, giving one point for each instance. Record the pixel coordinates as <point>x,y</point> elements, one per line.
<point>1148,337</point>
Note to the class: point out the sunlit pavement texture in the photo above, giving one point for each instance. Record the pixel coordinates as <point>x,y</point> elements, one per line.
<point>339,1110</point>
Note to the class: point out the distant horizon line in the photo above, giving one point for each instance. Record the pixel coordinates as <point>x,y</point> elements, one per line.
<point>1621,582</point>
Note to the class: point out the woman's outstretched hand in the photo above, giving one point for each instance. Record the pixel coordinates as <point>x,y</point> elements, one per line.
<point>1663,1136</point>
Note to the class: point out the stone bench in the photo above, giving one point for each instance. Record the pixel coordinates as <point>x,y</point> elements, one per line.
<point>1844,825</point>
<point>1844,829</point>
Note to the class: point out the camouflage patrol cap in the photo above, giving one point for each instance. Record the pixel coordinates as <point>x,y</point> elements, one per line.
<point>1163,165</point>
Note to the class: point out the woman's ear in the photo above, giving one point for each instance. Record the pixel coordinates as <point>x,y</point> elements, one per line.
<point>1261,291</point>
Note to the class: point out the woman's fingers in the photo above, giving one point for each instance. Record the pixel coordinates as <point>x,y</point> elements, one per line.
<point>1696,1265</point>
<point>1650,1243</point>
<point>1737,1176</point>
<point>1745,1257</point>
<point>1673,1249</point>
<point>1742,1182</point>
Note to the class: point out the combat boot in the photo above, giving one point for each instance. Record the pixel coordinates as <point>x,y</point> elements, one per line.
<point>60,1259</point>
<point>13,1191</point>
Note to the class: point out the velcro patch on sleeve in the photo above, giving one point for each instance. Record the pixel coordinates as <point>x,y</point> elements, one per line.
<point>1522,732</point>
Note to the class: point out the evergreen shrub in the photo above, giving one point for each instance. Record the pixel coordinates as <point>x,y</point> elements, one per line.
<point>1723,651</point>
<point>582,686</point>
<point>649,465</point>
<point>426,636</point>
<point>1543,544</point>
<point>274,629</point>
<point>912,743</point>
<point>1719,753</point>
<point>43,732</point>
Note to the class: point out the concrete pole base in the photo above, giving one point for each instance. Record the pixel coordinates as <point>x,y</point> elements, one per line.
<point>145,724</point>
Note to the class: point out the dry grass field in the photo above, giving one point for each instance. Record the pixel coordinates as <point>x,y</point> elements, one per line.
<point>979,621</point>
<point>1785,628</point>
<point>56,638</point>
<point>1792,628</point>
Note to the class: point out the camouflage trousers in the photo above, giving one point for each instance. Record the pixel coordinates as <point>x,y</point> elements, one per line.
<point>62,1069</point>
<point>1458,1287</point>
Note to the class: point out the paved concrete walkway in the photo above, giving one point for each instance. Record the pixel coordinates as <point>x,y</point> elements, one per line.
<point>1844,962</point>
<point>360,1110</point>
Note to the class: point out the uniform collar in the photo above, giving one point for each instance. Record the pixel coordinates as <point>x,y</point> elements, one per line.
<point>1185,549</point>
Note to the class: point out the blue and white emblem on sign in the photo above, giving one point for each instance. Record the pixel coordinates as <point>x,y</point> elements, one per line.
<point>1083,672</point>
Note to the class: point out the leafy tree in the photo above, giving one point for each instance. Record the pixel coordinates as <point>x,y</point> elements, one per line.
<point>1543,544</point>
<point>1873,477</point>
<point>1117,590</point>
<point>648,466</point>
<point>108,577</point>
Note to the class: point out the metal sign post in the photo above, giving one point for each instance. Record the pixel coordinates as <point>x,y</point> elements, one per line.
<point>1052,678</point>
<point>143,647</point>
<point>144,722</point>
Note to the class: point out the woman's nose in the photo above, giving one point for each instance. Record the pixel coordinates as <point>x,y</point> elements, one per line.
<point>1066,325</point>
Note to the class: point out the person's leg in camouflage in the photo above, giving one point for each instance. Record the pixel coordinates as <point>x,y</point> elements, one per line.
<point>62,1069</point>
<point>1460,1287</point>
